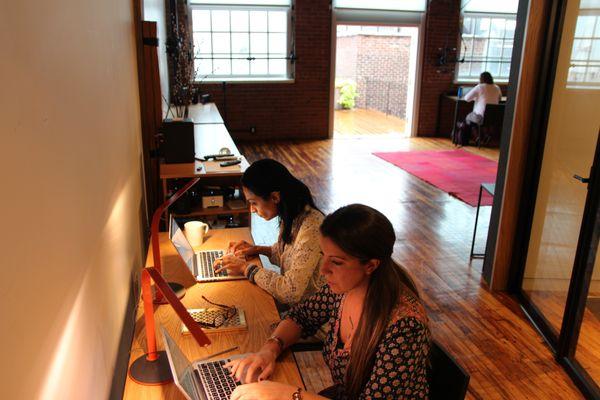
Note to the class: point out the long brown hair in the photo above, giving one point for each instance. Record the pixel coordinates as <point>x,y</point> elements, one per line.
<point>365,233</point>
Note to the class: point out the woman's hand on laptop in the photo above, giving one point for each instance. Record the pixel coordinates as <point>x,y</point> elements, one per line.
<point>255,367</point>
<point>265,390</point>
<point>234,265</point>
<point>243,249</point>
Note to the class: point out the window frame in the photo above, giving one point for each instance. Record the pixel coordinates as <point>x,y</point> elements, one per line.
<point>588,61</point>
<point>458,79</point>
<point>289,75</point>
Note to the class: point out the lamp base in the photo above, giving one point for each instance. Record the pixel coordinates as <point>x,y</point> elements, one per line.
<point>175,287</point>
<point>152,373</point>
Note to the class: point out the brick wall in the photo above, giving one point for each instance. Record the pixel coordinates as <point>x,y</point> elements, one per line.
<point>286,110</point>
<point>441,29</point>
<point>379,65</point>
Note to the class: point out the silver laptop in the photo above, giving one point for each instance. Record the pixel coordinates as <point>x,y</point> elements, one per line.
<point>199,380</point>
<point>201,263</point>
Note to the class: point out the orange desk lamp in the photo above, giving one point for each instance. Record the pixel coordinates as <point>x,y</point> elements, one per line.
<point>153,367</point>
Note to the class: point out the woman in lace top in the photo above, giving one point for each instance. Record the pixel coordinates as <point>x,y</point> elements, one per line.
<point>272,191</point>
<point>378,344</point>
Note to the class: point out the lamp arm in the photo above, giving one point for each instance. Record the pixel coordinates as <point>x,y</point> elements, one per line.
<point>156,221</point>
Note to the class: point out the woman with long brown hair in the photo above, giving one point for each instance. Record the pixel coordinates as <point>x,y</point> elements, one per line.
<point>378,344</point>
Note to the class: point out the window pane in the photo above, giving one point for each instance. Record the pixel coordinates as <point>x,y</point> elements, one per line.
<point>479,48</point>
<point>581,49</point>
<point>258,21</point>
<point>240,43</point>
<point>204,67</point>
<point>482,27</point>
<point>277,67</point>
<point>202,43</point>
<point>467,26</point>
<point>595,54</point>
<point>585,26</point>
<point>222,67</point>
<point>277,21</point>
<point>493,68</point>
<point>259,67</point>
<point>240,67</point>
<point>463,70</point>
<point>510,28</point>
<point>466,47</point>
<point>593,74</point>
<point>576,74</point>
<point>476,69</point>
<point>221,43</point>
<point>277,43</point>
<point>497,27</point>
<point>258,43</point>
<point>220,20</point>
<point>507,51</point>
<point>239,21</point>
<point>495,48</point>
<point>597,32</point>
<point>201,20</point>
<point>505,70</point>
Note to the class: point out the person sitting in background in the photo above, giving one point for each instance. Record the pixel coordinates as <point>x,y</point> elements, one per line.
<point>272,191</point>
<point>483,94</point>
<point>378,342</point>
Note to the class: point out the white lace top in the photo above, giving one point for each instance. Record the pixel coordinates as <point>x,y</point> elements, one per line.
<point>299,261</point>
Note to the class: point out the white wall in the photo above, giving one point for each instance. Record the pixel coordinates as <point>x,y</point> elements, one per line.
<point>71,196</point>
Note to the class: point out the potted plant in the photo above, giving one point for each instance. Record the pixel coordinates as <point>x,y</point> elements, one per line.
<point>347,93</point>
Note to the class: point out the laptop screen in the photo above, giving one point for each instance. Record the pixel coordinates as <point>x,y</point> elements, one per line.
<point>181,243</point>
<point>181,368</point>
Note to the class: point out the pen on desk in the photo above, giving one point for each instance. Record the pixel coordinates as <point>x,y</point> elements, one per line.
<point>219,353</point>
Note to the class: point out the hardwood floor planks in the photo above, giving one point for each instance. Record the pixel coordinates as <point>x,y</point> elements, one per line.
<point>486,332</point>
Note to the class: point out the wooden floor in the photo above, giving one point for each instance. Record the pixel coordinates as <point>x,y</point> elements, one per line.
<point>487,333</point>
<point>363,122</point>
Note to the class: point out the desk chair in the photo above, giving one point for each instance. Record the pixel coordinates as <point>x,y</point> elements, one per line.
<point>492,120</point>
<point>447,379</point>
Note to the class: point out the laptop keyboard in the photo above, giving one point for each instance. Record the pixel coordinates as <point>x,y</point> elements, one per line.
<point>206,260</point>
<point>216,380</point>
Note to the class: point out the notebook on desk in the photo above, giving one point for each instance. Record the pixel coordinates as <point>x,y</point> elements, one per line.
<point>199,380</point>
<point>199,263</point>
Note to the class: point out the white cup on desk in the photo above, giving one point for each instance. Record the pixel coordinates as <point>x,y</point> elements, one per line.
<point>195,232</point>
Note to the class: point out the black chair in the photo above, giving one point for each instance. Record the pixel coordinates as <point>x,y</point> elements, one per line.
<point>492,121</point>
<point>447,379</point>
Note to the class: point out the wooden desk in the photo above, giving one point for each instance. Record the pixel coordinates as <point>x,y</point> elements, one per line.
<point>209,139</point>
<point>256,303</point>
<point>458,108</point>
<point>205,114</point>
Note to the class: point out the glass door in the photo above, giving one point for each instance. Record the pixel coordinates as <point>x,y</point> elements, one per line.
<point>560,281</point>
<point>569,146</point>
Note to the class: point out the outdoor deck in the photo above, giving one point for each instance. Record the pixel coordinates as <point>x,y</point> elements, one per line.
<point>363,122</point>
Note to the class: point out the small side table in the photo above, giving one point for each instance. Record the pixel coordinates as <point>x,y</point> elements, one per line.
<point>489,188</point>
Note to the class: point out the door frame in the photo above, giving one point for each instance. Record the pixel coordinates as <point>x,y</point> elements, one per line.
<point>562,344</point>
<point>377,18</point>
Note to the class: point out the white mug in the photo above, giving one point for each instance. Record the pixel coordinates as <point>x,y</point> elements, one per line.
<point>195,232</point>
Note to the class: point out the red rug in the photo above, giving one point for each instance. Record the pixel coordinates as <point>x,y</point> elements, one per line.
<point>456,172</point>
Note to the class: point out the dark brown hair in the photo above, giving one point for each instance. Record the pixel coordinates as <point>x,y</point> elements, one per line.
<point>365,233</point>
<point>266,176</point>
<point>486,77</point>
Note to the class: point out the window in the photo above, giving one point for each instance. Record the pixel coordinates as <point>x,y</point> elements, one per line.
<point>242,41</point>
<point>584,71</point>
<point>486,45</point>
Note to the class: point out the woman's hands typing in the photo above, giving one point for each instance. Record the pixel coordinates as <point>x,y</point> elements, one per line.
<point>243,249</point>
<point>255,367</point>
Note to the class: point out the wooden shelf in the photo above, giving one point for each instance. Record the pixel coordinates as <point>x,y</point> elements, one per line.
<point>213,211</point>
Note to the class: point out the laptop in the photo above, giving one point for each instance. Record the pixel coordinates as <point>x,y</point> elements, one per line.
<point>199,380</point>
<point>201,263</point>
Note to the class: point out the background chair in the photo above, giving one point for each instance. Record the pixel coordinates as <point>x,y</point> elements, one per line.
<point>492,121</point>
<point>447,379</point>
